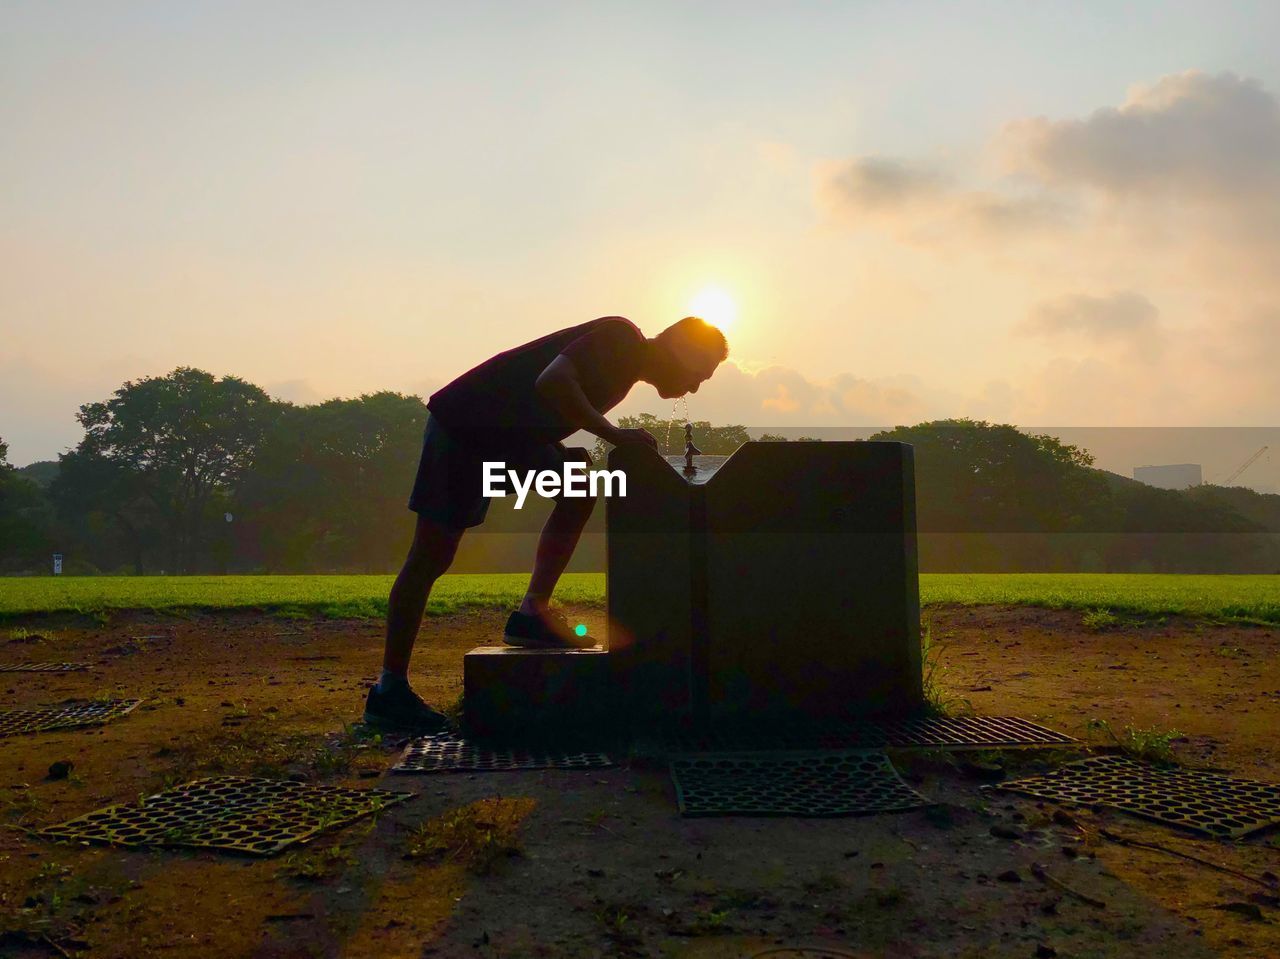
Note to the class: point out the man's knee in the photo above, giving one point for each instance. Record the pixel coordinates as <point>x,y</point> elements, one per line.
<point>434,546</point>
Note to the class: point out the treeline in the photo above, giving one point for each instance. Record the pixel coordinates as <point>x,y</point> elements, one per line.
<point>992,498</point>
<point>190,473</point>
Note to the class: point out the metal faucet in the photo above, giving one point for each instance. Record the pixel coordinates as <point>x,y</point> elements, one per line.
<point>690,451</point>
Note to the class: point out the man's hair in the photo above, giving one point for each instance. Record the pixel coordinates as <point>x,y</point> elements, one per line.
<point>698,332</point>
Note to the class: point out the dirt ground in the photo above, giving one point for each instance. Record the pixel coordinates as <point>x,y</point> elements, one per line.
<point>600,863</point>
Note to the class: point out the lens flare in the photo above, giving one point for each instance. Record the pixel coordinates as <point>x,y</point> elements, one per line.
<point>581,629</point>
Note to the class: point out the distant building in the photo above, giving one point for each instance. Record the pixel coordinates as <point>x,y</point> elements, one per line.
<point>1173,476</point>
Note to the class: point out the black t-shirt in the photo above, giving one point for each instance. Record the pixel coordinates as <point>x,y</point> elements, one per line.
<point>496,406</point>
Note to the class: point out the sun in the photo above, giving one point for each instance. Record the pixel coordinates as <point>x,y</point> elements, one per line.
<point>715,306</point>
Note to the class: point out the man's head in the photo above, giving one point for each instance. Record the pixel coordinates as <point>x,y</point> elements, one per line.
<point>686,353</point>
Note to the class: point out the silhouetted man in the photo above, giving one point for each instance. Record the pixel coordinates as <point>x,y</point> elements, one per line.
<point>517,408</point>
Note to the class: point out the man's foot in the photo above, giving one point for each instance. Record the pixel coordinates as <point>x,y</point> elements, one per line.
<point>546,630</point>
<point>403,709</point>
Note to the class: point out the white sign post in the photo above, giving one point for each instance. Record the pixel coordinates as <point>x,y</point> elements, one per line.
<point>57,564</point>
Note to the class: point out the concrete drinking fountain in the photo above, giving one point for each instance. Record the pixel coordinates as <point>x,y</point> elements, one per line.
<point>778,583</point>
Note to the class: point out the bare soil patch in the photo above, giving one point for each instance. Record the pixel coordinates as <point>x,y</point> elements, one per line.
<point>599,863</point>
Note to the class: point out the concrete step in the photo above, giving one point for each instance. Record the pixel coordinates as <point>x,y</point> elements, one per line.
<point>512,692</point>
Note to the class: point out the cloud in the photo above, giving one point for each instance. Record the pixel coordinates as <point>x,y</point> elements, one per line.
<point>1190,163</point>
<point>1191,156</point>
<point>1171,195</point>
<point>993,214</point>
<point>1213,136</point>
<point>781,396</point>
<point>923,205</point>
<point>781,401</point>
<point>875,183</point>
<point>1184,176</point>
<point>1124,315</point>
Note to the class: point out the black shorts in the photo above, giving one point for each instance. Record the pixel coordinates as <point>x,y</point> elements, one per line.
<point>449,487</point>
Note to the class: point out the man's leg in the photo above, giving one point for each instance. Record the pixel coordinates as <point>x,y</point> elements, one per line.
<point>430,555</point>
<point>559,539</point>
<point>391,703</point>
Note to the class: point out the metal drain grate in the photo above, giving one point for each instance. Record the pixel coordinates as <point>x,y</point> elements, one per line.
<point>66,716</point>
<point>257,816</point>
<point>42,667</point>
<point>965,732</point>
<point>797,784</point>
<point>1203,802</point>
<point>449,753</point>
<point>931,732</point>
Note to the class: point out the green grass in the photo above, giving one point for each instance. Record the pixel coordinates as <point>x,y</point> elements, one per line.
<point>316,865</point>
<point>289,597</point>
<point>478,836</point>
<point>1107,597</point>
<point>936,698</point>
<point>1142,595</point>
<point>1151,744</point>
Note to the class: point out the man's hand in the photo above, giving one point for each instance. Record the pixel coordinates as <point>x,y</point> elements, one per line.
<point>622,437</point>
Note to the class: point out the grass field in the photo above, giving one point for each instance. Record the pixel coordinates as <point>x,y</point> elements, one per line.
<point>1252,598</point>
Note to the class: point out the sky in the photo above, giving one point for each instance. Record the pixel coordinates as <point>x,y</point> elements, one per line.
<point>1043,214</point>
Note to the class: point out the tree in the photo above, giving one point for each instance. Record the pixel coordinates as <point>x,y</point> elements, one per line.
<point>1262,508</point>
<point>988,495</point>
<point>330,487</point>
<point>711,440</point>
<point>982,488</point>
<point>169,447</point>
<point>976,476</point>
<point>41,472</point>
<point>106,509</point>
<point>26,518</point>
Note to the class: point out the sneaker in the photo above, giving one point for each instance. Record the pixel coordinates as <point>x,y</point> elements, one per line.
<point>403,709</point>
<point>547,631</point>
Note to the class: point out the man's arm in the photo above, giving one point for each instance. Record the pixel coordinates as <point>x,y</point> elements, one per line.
<point>559,385</point>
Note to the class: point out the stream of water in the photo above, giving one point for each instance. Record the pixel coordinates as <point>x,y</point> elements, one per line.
<point>666,444</point>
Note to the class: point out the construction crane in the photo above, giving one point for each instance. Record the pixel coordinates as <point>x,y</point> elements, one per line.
<point>1243,466</point>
